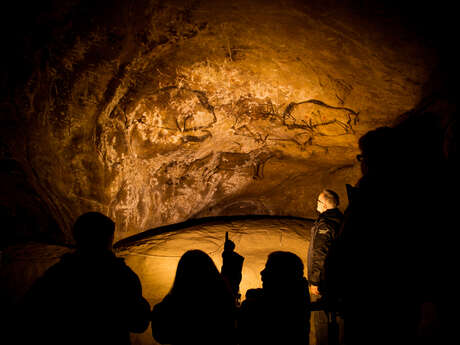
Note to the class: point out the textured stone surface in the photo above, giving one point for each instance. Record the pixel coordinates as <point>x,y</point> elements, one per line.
<point>157,112</point>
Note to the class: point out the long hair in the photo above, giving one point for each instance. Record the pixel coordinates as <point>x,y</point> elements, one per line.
<point>197,277</point>
<point>199,308</point>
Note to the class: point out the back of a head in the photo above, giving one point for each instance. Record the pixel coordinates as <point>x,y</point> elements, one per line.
<point>371,142</point>
<point>331,197</point>
<point>285,263</point>
<point>283,271</point>
<point>200,302</point>
<point>196,272</point>
<point>380,149</point>
<point>93,232</point>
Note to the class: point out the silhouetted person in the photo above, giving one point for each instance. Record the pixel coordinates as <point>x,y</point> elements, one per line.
<point>88,297</point>
<point>200,307</point>
<point>323,233</point>
<point>279,312</point>
<point>386,264</point>
<point>373,246</point>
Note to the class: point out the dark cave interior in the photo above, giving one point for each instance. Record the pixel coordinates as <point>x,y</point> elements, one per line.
<point>183,120</point>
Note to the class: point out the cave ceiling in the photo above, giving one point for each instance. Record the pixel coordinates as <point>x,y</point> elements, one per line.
<point>155,112</point>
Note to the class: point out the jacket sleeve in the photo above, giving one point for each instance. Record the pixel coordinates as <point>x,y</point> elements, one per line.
<point>321,246</point>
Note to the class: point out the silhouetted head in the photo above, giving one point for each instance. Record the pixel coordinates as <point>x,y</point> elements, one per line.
<point>94,232</point>
<point>378,150</point>
<point>282,271</point>
<point>327,200</point>
<point>196,273</point>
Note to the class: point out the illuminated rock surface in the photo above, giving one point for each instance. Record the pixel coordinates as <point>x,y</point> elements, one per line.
<point>157,112</point>
<point>154,257</point>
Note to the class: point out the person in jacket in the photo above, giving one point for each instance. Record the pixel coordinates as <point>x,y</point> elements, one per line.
<point>199,308</point>
<point>90,296</point>
<point>279,313</point>
<point>323,233</point>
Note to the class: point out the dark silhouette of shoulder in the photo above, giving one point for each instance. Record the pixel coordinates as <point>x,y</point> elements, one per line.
<point>89,295</point>
<point>199,308</point>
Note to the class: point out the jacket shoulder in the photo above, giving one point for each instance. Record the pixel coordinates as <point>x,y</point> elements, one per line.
<point>324,225</point>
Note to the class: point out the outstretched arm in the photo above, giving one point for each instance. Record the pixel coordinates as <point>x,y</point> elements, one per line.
<point>232,266</point>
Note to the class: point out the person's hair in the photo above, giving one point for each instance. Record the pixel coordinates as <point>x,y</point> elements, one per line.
<point>93,231</point>
<point>197,274</point>
<point>379,146</point>
<point>331,197</point>
<point>283,277</point>
<point>286,263</point>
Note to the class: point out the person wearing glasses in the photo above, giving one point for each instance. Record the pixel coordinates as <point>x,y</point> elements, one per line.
<point>323,233</point>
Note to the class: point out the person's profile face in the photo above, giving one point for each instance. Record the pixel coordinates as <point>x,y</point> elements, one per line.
<point>262,275</point>
<point>361,158</point>
<point>321,205</point>
<point>110,243</point>
<point>265,274</point>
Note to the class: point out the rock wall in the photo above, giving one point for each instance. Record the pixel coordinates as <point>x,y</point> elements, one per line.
<point>155,112</point>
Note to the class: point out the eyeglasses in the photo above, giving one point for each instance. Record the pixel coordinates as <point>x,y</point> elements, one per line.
<point>321,202</point>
